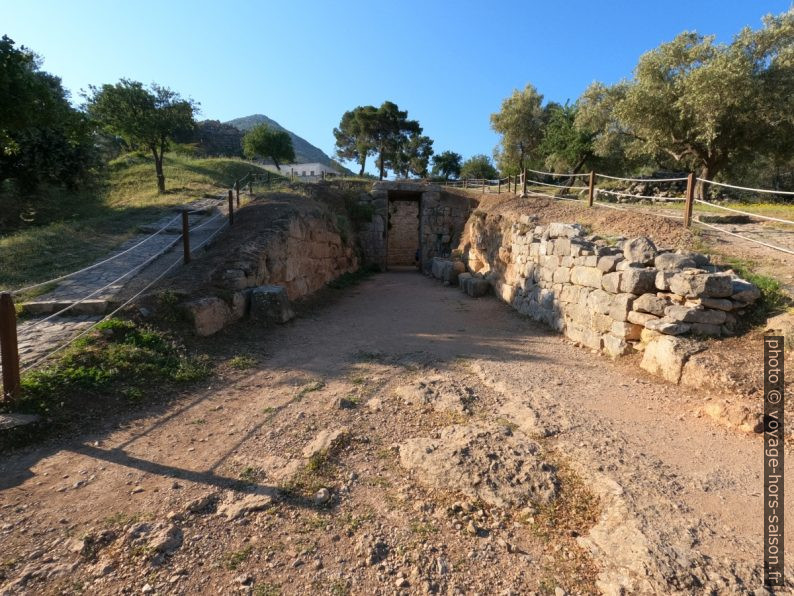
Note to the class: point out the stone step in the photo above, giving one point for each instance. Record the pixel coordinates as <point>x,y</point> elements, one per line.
<point>45,307</point>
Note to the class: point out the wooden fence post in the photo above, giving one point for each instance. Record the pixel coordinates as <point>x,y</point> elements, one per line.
<point>464,183</point>
<point>237,190</point>
<point>690,199</point>
<point>483,185</point>
<point>186,236</point>
<point>231,208</point>
<point>524,182</point>
<point>9,350</point>
<point>499,187</point>
<point>591,189</point>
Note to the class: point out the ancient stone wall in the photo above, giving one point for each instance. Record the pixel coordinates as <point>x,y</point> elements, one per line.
<point>442,219</point>
<point>618,298</point>
<point>301,253</point>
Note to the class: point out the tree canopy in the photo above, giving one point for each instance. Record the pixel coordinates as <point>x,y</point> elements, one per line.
<point>386,132</point>
<point>701,105</point>
<point>144,118</point>
<point>520,121</point>
<point>354,135</point>
<point>42,138</point>
<point>479,166</point>
<point>264,141</point>
<point>447,164</point>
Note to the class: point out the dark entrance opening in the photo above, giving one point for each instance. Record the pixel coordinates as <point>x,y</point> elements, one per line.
<point>403,228</point>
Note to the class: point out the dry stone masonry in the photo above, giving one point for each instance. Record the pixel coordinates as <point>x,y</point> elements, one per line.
<point>618,297</point>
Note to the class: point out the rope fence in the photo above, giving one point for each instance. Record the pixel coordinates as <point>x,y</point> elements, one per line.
<point>9,350</point>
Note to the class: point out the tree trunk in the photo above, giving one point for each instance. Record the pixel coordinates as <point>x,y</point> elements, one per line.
<point>576,169</point>
<point>363,164</point>
<point>158,168</point>
<point>381,164</point>
<point>275,161</point>
<point>707,171</point>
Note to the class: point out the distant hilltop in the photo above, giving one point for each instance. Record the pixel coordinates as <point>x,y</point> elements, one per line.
<point>305,152</point>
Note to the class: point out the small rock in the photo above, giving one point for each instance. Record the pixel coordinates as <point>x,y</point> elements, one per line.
<point>322,496</point>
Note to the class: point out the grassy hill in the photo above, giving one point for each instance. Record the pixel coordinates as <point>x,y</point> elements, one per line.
<point>64,231</point>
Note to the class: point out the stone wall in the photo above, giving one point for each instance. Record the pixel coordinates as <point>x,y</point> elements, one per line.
<point>619,298</point>
<point>441,223</point>
<point>297,254</point>
<point>403,240</point>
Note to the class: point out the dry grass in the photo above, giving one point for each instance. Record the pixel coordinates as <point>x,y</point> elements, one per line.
<point>72,230</point>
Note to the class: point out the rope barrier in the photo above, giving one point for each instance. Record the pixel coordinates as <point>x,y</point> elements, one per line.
<point>625,194</point>
<point>84,269</point>
<point>764,190</point>
<point>772,246</point>
<point>106,317</point>
<point>767,217</point>
<point>531,182</point>
<point>557,174</point>
<point>642,179</point>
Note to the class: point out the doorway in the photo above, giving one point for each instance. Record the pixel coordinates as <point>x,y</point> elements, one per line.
<point>403,238</point>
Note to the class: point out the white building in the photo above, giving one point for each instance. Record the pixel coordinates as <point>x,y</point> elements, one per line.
<point>303,171</point>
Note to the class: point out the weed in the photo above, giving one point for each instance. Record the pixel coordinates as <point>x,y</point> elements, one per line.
<point>424,530</point>
<point>310,388</point>
<point>251,475</point>
<point>774,299</point>
<point>267,589</point>
<point>340,588</point>
<point>234,559</point>
<point>242,362</point>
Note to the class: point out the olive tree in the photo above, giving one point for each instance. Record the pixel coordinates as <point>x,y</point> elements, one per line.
<point>520,121</point>
<point>703,105</point>
<point>144,118</point>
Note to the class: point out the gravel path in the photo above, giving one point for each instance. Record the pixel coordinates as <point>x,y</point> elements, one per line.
<point>216,493</point>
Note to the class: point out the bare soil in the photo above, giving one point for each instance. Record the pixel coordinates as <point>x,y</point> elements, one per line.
<point>216,493</point>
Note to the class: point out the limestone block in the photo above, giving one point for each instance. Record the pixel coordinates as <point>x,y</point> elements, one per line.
<point>570,293</point>
<point>590,261</point>
<point>706,329</point>
<point>665,356</point>
<point>562,275</point>
<point>599,301</point>
<point>462,280</point>
<point>662,281</point>
<point>564,230</point>
<point>652,304</point>
<point>667,326</point>
<point>608,263</point>
<point>696,284</point>
<point>476,287</point>
<point>744,291</point>
<point>670,260</point>
<point>718,303</point>
<point>640,250</point>
<point>270,304</point>
<point>611,282</point>
<point>638,281</point>
<point>584,336</point>
<point>701,315</point>
<point>600,323</point>
<point>621,306</point>
<point>562,247</point>
<point>587,276</point>
<point>640,318</point>
<point>615,346</point>
<point>209,314</point>
<point>624,330</point>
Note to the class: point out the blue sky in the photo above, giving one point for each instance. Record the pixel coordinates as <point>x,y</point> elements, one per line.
<point>449,64</point>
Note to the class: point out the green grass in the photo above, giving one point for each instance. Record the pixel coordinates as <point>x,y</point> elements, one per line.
<point>774,300</point>
<point>118,360</point>
<point>69,230</point>
<point>234,559</point>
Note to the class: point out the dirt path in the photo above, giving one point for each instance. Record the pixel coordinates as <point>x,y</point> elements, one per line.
<point>223,491</point>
